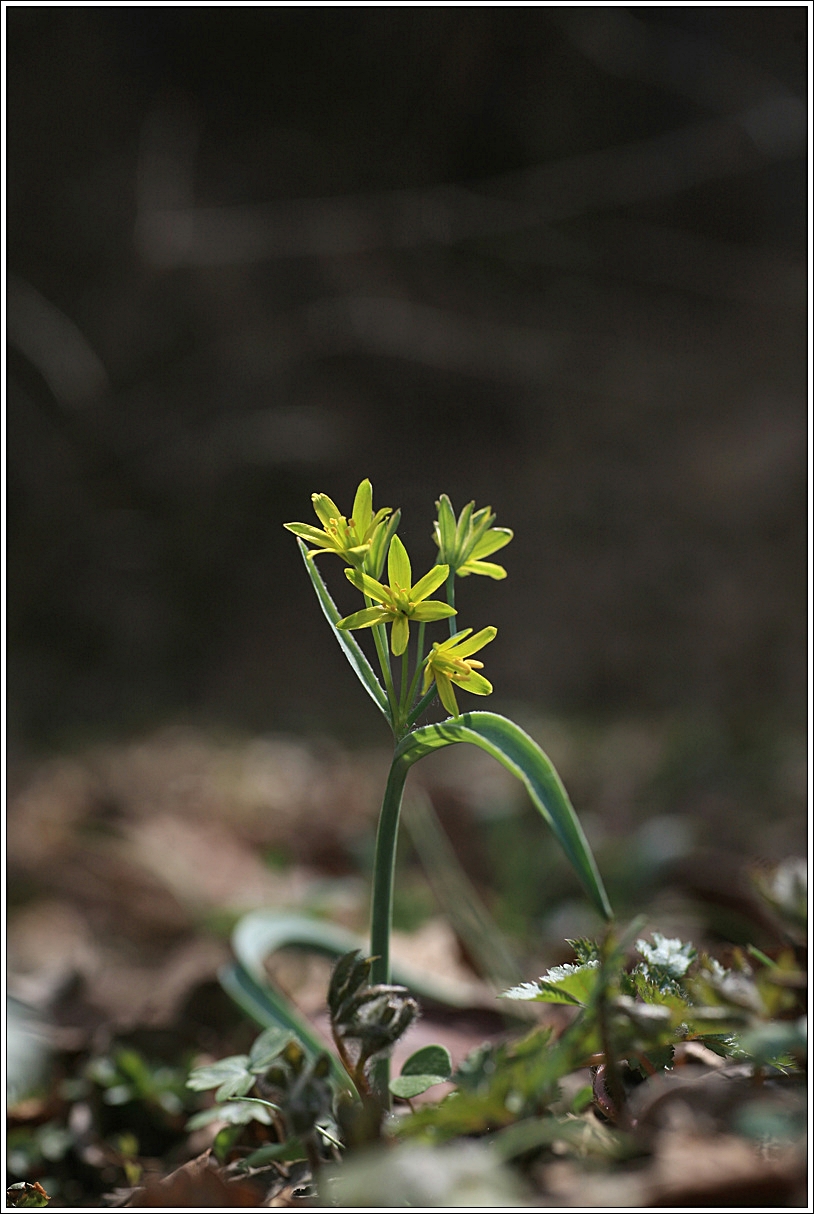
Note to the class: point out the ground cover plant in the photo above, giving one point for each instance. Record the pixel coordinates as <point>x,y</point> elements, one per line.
<point>648,1045</point>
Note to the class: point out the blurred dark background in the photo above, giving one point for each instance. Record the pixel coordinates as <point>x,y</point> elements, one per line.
<point>553,259</point>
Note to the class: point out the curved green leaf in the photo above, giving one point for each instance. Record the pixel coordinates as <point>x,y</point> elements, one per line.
<point>408,1086</point>
<point>430,1060</point>
<point>348,645</point>
<point>520,755</point>
<point>422,1070</point>
<point>267,1007</point>
<point>261,933</point>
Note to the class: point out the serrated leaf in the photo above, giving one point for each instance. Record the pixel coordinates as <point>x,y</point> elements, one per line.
<point>525,990</point>
<point>584,949</point>
<point>665,958</point>
<point>571,984</point>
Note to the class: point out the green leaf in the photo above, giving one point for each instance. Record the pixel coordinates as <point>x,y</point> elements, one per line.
<point>234,1112</point>
<point>261,933</point>
<point>290,1151</point>
<point>431,1060</point>
<point>665,959</point>
<point>408,1086</point>
<point>348,645</point>
<point>26,1195</point>
<point>268,1007</point>
<point>572,984</point>
<point>520,755</point>
<point>224,1140</point>
<point>421,1071</point>
<point>230,1075</point>
<point>584,949</point>
<point>349,974</point>
<point>268,1045</point>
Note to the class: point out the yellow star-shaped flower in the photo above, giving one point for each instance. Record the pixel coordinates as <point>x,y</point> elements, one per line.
<point>400,602</point>
<point>463,543</point>
<point>449,662</point>
<point>350,538</point>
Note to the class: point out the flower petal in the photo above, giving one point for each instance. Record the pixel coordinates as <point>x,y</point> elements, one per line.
<point>430,582</point>
<point>368,585</point>
<point>455,639</point>
<point>445,525</point>
<point>364,619</point>
<point>475,683</point>
<point>484,568</point>
<point>399,572</point>
<point>399,634</point>
<point>326,510</point>
<point>363,507</point>
<point>474,643</point>
<point>310,534</point>
<point>497,537</point>
<point>462,530</point>
<point>432,611</point>
<point>380,543</point>
<point>447,695</point>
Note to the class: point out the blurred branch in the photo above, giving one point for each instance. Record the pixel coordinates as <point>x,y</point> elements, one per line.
<point>665,55</point>
<point>618,176</point>
<point>54,344</point>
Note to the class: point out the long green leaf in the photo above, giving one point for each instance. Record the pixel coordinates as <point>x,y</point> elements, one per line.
<point>520,755</point>
<point>350,648</point>
<point>261,933</point>
<point>267,1007</point>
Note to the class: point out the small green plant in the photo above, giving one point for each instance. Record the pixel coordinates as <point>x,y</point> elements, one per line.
<point>631,1016</point>
<point>366,542</point>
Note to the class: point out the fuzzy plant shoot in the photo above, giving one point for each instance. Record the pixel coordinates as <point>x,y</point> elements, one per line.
<point>367,541</point>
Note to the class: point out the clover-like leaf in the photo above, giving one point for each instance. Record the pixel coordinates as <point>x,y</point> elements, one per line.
<point>421,1071</point>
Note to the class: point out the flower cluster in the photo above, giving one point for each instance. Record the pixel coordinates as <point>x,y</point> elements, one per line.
<point>359,540</point>
<point>366,539</point>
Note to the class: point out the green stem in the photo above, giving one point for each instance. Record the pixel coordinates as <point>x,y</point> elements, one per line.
<point>419,658</point>
<point>453,627</point>
<point>380,641</point>
<point>422,704</point>
<point>381,916</point>
<point>403,688</point>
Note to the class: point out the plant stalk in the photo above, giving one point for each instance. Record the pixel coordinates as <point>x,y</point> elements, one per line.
<point>381,915</point>
<point>453,627</point>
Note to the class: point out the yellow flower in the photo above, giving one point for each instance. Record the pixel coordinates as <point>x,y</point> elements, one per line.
<point>464,543</point>
<point>450,663</point>
<point>350,538</point>
<point>399,602</point>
